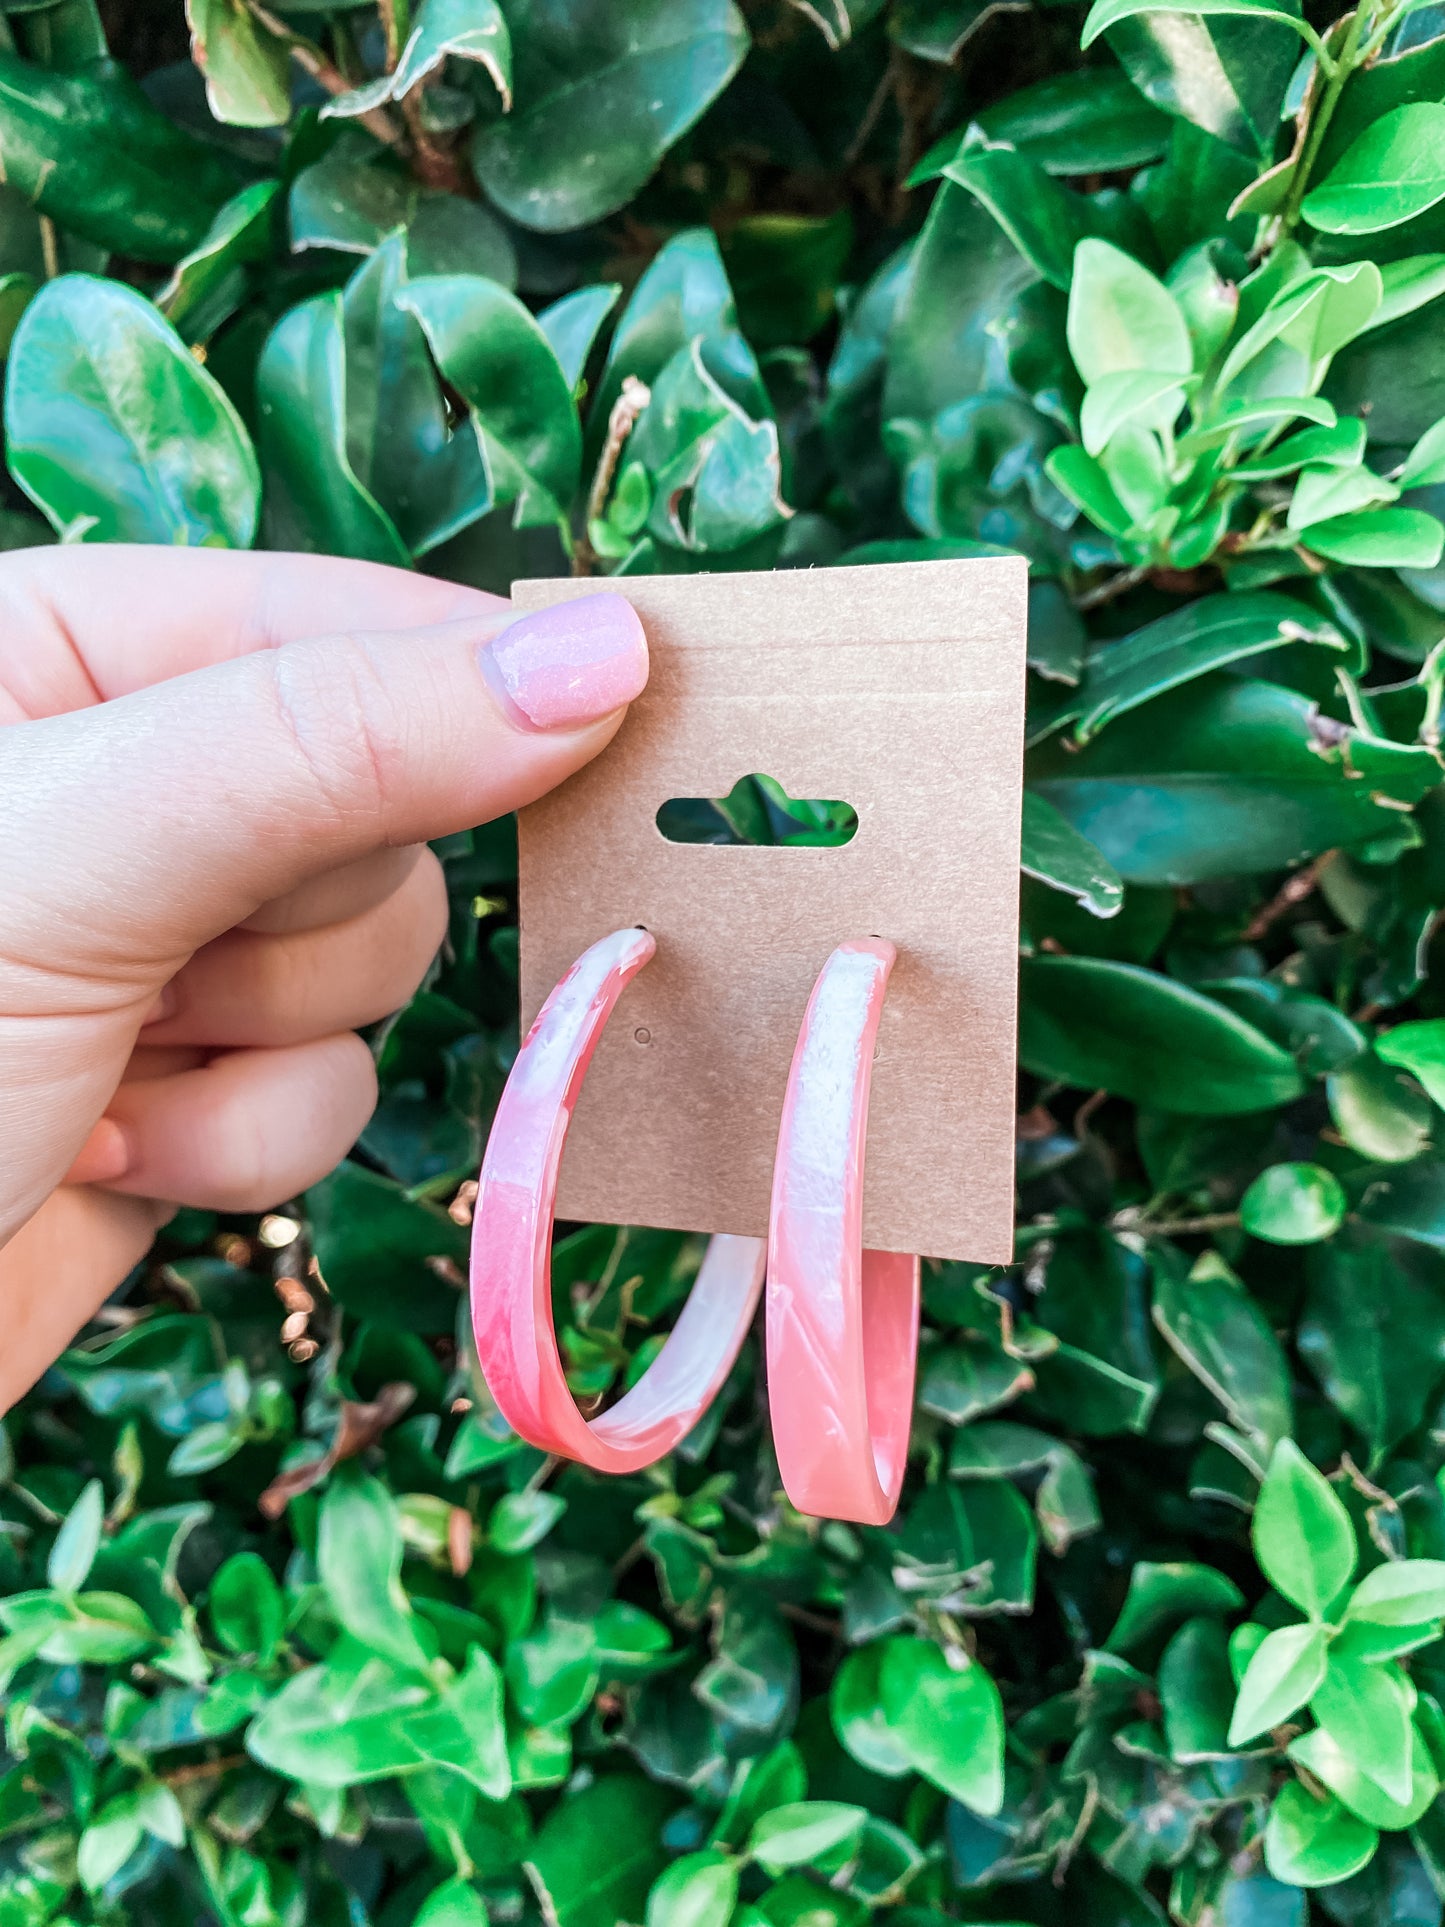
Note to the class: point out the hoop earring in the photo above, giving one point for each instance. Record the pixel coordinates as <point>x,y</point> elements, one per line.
<point>511,1289</point>
<point>842,1322</point>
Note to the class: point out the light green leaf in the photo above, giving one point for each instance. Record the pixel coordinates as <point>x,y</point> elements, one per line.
<point>1329,491</point>
<point>114,430</point>
<point>1418,1048</point>
<point>1402,1592</point>
<point>1388,538</point>
<point>1425,464</point>
<point>948,1719</point>
<point>247,68</point>
<point>1213,1323</point>
<point>1116,400</point>
<point>1311,1842</point>
<point>78,1540</point>
<point>699,1890</point>
<point>1121,319</point>
<point>1104,13</point>
<point>1285,1671</point>
<point>1322,1755</point>
<point>1392,172</point>
<point>359,1554</point>
<point>1366,1710</point>
<point>456,1903</point>
<point>1293,1204</point>
<point>805,1833</point>
<point>1302,1535</point>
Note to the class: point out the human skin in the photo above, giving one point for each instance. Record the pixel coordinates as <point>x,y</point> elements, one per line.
<point>218,775</point>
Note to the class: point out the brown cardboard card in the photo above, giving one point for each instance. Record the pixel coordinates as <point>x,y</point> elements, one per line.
<point>896,688</point>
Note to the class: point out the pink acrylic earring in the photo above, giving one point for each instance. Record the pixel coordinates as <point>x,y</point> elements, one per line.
<point>842,1322</point>
<point>511,1250</point>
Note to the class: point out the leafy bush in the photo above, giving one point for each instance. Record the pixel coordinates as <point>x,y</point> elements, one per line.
<point>497,287</point>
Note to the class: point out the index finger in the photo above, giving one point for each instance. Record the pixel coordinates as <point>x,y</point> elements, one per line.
<point>79,625</point>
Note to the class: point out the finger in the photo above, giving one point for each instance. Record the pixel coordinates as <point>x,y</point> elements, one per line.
<point>248,1130</point>
<point>58,1270</point>
<point>79,625</point>
<point>231,786</point>
<point>246,989</point>
<point>340,894</point>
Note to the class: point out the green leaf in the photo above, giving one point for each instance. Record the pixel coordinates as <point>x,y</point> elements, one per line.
<point>859,1716</point>
<point>456,1903</point>
<point>1104,13</point>
<point>1322,1755</point>
<point>1226,75</point>
<point>473,30</point>
<point>1289,348</point>
<point>1045,222</point>
<point>1372,1331</point>
<point>1285,1671</point>
<point>948,1719</point>
<point>1418,1048</point>
<point>90,151</point>
<point>1190,642</point>
<point>1328,492</point>
<point>1377,1112</point>
<point>521,1520</point>
<point>211,282</point>
<point>357,1718</point>
<point>803,1834</point>
<point>1293,1204</point>
<point>597,1852</point>
<point>247,1610</point>
<point>114,431</point>
<point>1055,853</point>
<point>1366,1710</point>
<point>1210,1320</point>
<point>1387,538</point>
<point>358,1555</point>
<point>95,1628</point>
<point>1196,1691</point>
<point>699,1890</point>
<point>572,325</point>
<point>1160,1595</point>
<point>602,91</point>
<point>1315,1843</point>
<point>1302,1535</point>
<point>372,1243</point>
<point>247,69</point>
<point>491,349</point>
<point>1223,778</point>
<point>1121,319</point>
<point>1095,1024</point>
<point>1403,1592</point>
<point>78,1540</point>
<point>313,499</point>
<point>1393,172</point>
<point>1089,122</point>
<point>1114,401</point>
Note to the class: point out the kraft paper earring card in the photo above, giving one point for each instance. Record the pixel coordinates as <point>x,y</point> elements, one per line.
<point>898,689</point>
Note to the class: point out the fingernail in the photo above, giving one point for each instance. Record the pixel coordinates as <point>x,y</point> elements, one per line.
<point>163,1007</point>
<point>104,1157</point>
<point>572,664</point>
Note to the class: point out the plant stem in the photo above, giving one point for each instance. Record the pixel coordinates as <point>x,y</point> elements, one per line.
<point>309,56</point>
<point>1319,125</point>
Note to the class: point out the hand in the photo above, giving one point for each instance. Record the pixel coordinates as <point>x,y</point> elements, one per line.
<point>212,869</point>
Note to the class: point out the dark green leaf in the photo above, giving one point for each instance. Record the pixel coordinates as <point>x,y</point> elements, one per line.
<point>373,1244</point>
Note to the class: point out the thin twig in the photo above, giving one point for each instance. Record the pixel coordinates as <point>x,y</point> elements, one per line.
<point>307,55</point>
<point>1291,893</point>
<point>628,406</point>
<point>1117,585</point>
<point>203,1770</point>
<point>1183,1227</point>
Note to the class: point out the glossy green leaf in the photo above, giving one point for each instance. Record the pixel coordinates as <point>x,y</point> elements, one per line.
<point>115,432</point>
<point>1336,1768</point>
<point>1403,1592</point>
<point>1205,635</point>
<point>1366,1710</point>
<point>1387,538</point>
<point>803,1834</point>
<point>1285,1671</point>
<point>1329,491</point>
<point>1094,1023</point>
<point>88,149</point>
<point>601,93</point>
<point>948,1719</point>
<point>472,30</point>
<point>370,1237</point>
<point>246,1608</point>
<point>1377,1111</point>
<point>247,68</point>
<point>1293,1204</point>
<point>699,1890</point>
<point>313,498</point>
<point>1223,73</point>
<point>1226,777</point>
<point>211,282</point>
<point>859,1717</point>
<point>1391,173</point>
<point>1104,13</point>
<point>1044,221</point>
<point>573,324</point>
<point>493,352</point>
<point>597,1852</point>
<point>1311,1842</point>
<point>1213,1323</point>
<point>78,1540</point>
<point>1162,1594</point>
<point>1055,853</point>
<point>1121,319</point>
<point>1372,1332</point>
<point>1418,1048</point>
<point>1087,122</point>
<point>456,1903</point>
<point>1302,1534</point>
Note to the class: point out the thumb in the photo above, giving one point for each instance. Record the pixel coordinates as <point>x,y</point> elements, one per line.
<point>147,825</point>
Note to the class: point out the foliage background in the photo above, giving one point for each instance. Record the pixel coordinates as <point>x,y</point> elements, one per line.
<point>869,279</point>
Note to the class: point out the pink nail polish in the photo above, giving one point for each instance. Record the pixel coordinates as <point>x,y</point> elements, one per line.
<point>569,665</point>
